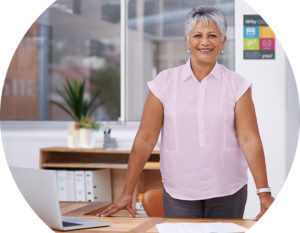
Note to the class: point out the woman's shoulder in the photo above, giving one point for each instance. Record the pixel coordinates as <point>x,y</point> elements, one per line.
<point>237,83</point>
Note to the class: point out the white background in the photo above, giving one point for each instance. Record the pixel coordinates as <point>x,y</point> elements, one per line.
<point>17,16</point>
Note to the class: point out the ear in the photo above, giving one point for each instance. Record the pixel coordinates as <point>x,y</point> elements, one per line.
<point>186,42</point>
<point>223,42</point>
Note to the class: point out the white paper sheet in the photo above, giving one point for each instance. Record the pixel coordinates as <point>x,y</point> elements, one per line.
<point>185,227</point>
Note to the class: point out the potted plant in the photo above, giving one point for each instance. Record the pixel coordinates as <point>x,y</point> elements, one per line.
<point>77,107</point>
<point>75,103</point>
<point>87,132</point>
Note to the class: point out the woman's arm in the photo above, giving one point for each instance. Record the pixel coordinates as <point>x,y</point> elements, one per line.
<point>251,145</point>
<point>144,142</point>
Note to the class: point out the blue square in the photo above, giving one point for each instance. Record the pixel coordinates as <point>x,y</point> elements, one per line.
<point>251,32</point>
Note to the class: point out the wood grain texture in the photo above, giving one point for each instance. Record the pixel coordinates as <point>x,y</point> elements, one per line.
<point>90,150</point>
<point>132,225</point>
<point>79,158</point>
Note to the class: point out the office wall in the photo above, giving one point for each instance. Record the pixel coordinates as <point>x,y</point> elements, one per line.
<point>277,109</point>
<point>21,143</point>
<point>22,140</point>
<point>292,117</point>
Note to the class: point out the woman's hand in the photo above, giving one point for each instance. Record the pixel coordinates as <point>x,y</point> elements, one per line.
<point>123,202</point>
<point>265,201</point>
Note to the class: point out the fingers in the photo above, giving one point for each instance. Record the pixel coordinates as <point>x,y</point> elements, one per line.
<point>131,211</point>
<point>265,202</point>
<point>259,215</point>
<point>108,211</point>
<point>113,208</point>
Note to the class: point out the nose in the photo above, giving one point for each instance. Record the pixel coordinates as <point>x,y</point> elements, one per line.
<point>204,41</point>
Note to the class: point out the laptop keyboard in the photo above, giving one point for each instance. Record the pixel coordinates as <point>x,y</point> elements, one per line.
<point>70,224</point>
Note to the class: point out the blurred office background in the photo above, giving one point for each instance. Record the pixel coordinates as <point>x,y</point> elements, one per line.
<point>81,39</point>
<point>118,46</point>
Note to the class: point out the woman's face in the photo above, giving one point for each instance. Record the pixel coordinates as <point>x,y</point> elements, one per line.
<point>205,43</point>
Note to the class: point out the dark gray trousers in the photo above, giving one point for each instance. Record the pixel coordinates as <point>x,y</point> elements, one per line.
<point>231,206</point>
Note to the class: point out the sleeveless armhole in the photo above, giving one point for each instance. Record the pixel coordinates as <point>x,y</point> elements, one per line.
<point>156,87</point>
<point>241,86</point>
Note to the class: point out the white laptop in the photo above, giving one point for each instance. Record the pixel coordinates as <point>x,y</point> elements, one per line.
<point>40,190</point>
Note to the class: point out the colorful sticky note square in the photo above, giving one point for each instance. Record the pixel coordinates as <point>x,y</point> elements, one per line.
<point>266,32</point>
<point>251,44</point>
<point>251,32</point>
<point>267,44</point>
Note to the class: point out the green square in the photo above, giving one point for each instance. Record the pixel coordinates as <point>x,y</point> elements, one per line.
<point>251,44</point>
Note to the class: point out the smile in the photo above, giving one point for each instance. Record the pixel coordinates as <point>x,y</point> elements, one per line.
<point>206,50</point>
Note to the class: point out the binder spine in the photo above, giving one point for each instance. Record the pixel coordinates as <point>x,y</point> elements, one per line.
<point>61,185</point>
<point>70,186</point>
<point>79,186</point>
<point>89,186</point>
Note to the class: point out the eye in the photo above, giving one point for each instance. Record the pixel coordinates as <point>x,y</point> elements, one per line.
<point>213,35</point>
<point>197,36</point>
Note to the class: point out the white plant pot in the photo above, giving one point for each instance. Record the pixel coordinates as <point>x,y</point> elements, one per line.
<point>87,138</point>
<point>73,135</point>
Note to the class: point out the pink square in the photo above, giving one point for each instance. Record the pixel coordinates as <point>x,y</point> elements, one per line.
<point>266,44</point>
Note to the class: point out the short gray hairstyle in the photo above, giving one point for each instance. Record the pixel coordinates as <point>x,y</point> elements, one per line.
<point>205,14</point>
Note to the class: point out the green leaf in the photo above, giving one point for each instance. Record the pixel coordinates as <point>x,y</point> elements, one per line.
<point>81,91</point>
<point>75,87</point>
<point>75,105</point>
<point>93,99</point>
<point>65,109</point>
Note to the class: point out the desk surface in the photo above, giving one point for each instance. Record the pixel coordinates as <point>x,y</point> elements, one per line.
<point>119,224</point>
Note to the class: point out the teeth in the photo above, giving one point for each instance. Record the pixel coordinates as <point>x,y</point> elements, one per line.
<point>205,50</point>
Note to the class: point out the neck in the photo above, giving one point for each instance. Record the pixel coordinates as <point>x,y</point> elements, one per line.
<point>201,70</point>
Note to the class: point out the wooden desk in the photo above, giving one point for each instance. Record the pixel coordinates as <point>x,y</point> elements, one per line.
<point>119,224</point>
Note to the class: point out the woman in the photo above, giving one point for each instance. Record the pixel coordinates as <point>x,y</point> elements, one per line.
<point>209,132</point>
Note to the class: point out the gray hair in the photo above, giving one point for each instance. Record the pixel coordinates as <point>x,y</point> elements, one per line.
<point>205,14</point>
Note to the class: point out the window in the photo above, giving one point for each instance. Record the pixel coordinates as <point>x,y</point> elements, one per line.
<point>156,42</point>
<point>75,39</point>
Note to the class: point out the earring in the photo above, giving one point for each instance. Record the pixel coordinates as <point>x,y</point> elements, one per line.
<point>222,51</point>
<point>188,51</point>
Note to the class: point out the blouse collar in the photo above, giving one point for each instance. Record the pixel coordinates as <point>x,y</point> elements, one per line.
<point>188,72</point>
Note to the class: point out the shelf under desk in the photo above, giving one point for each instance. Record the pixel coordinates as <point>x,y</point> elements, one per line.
<point>60,157</point>
<point>96,158</point>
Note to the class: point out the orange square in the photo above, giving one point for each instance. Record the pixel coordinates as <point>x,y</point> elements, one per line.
<point>266,32</point>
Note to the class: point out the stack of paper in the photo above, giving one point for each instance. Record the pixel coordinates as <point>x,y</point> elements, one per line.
<point>185,227</point>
